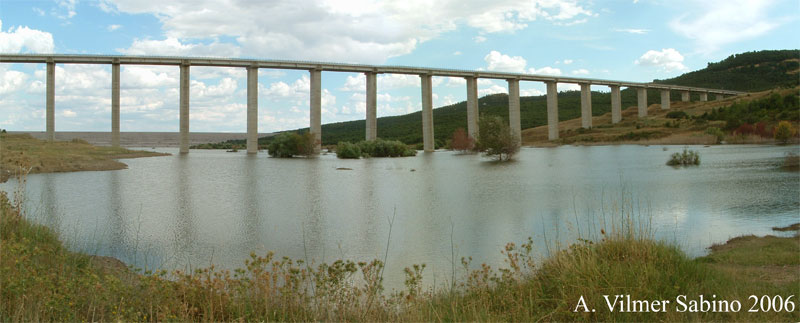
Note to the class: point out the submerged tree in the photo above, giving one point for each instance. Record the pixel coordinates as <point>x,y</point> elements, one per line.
<point>495,138</point>
<point>289,144</point>
<point>461,141</point>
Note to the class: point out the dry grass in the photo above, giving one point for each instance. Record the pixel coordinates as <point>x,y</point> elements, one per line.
<point>18,152</point>
<point>650,130</point>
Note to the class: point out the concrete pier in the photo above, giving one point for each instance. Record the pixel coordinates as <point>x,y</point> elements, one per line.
<point>703,96</point>
<point>372,106</point>
<point>427,113</point>
<point>184,108</point>
<point>616,104</point>
<point>252,110</point>
<point>115,105</point>
<point>472,107</point>
<point>316,108</point>
<point>586,105</point>
<point>664,99</point>
<point>51,101</point>
<point>685,96</point>
<point>552,110</point>
<point>513,110</point>
<point>641,95</point>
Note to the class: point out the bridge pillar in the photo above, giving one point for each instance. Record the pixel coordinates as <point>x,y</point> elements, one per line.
<point>513,110</point>
<point>184,108</point>
<point>719,97</point>
<point>552,110</point>
<point>115,104</point>
<point>586,105</point>
<point>616,104</point>
<point>252,109</point>
<point>703,96</point>
<point>472,107</point>
<point>51,101</point>
<point>372,106</point>
<point>664,99</point>
<point>427,113</point>
<point>316,109</point>
<point>641,94</point>
<point>685,96</point>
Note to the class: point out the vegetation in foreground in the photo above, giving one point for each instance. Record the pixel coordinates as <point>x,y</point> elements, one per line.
<point>42,281</point>
<point>373,148</point>
<point>685,158</point>
<point>290,144</point>
<point>495,138</point>
<point>20,153</point>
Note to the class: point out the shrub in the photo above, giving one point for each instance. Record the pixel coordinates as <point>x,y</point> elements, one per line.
<point>677,115</point>
<point>687,157</point>
<point>461,141</point>
<point>716,132</point>
<point>745,129</point>
<point>784,131</point>
<point>762,130</point>
<point>374,148</point>
<point>495,138</point>
<point>289,144</point>
<point>348,150</point>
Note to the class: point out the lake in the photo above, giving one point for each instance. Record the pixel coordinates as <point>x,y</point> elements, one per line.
<point>215,207</point>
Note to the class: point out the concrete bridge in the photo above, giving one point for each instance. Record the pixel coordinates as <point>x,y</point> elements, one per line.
<point>371,71</point>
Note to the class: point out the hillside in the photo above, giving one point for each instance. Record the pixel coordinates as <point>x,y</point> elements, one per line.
<point>751,71</point>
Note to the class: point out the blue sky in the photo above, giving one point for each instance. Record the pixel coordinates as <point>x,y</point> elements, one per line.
<point>625,40</point>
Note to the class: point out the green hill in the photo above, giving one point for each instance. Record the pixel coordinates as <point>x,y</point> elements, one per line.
<point>751,71</point>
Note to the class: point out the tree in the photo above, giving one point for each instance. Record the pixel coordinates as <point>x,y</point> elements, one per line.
<point>289,144</point>
<point>461,141</point>
<point>495,138</point>
<point>784,131</point>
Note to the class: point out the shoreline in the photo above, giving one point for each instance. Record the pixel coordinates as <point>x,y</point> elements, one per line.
<point>23,154</point>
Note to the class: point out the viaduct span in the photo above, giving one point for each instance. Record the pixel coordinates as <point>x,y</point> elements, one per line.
<point>371,71</point>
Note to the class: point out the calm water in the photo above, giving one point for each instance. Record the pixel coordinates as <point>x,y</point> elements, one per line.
<point>216,207</point>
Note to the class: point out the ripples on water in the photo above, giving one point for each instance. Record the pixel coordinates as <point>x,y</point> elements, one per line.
<point>216,207</point>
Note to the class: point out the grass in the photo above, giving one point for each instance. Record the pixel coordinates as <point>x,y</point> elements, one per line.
<point>677,126</point>
<point>43,281</point>
<point>18,152</point>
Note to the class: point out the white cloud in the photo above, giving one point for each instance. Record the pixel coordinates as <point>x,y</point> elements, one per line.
<point>479,39</point>
<point>355,83</point>
<point>361,31</point>
<point>637,31</point>
<point>667,59</point>
<point>25,40</point>
<point>397,81</point>
<point>174,47</point>
<point>530,92</point>
<point>712,24</point>
<point>456,53</point>
<point>580,71</point>
<point>547,70</point>
<point>567,61</point>
<point>11,81</point>
<point>38,11</point>
<point>113,27</point>
<point>68,113</point>
<point>69,6</point>
<point>500,62</point>
<point>494,89</point>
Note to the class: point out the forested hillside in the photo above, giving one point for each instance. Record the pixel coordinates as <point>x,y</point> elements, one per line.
<point>751,71</point>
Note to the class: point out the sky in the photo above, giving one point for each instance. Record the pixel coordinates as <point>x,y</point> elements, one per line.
<point>631,40</point>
